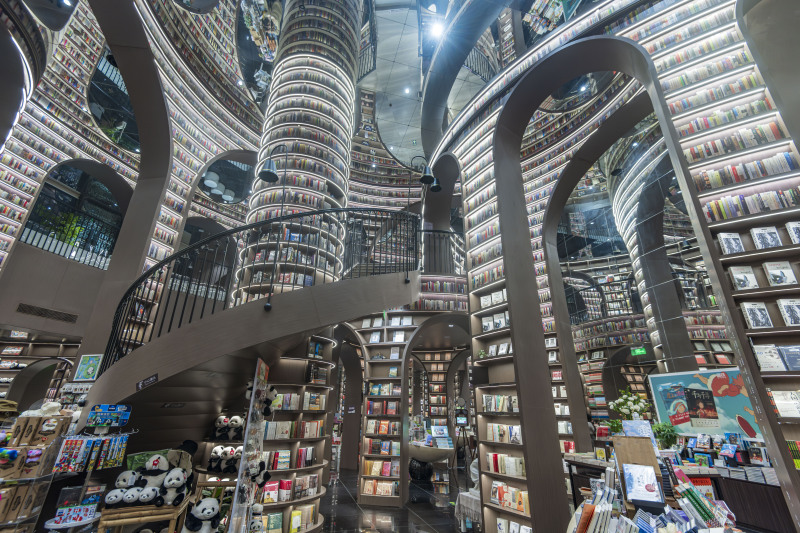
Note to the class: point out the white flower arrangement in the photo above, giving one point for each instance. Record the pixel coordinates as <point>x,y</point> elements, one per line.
<point>629,404</point>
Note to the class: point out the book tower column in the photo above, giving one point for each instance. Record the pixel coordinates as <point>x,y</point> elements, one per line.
<point>310,118</point>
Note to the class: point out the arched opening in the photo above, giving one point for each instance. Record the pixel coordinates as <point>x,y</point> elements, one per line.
<point>54,14</point>
<point>79,212</point>
<point>198,228</point>
<point>110,105</point>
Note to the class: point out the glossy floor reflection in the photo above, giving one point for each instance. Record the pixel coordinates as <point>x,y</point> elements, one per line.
<point>424,512</point>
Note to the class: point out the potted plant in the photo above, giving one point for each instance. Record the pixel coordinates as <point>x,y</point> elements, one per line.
<point>665,434</point>
<point>481,354</point>
<point>629,405</point>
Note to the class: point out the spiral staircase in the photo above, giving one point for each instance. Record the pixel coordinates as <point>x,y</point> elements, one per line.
<point>187,333</point>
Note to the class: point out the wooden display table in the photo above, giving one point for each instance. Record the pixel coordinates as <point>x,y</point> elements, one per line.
<point>114,519</point>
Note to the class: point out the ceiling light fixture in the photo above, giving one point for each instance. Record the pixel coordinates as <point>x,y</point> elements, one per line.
<point>211,180</point>
<point>437,29</point>
<point>635,144</point>
<point>408,90</point>
<point>227,195</point>
<point>583,88</point>
<point>239,83</point>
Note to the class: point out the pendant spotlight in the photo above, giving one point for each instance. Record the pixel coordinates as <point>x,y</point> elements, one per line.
<point>269,172</point>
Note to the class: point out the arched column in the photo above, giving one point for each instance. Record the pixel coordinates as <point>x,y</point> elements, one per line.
<point>539,433</point>
<point>122,27</point>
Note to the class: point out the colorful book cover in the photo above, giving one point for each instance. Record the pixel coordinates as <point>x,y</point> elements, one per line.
<point>675,400</point>
<point>702,408</point>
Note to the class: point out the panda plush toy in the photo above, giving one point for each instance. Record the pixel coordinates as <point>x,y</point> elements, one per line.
<point>149,496</point>
<point>154,471</point>
<point>215,460</point>
<point>203,518</point>
<point>260,476</point>
<point>114,498</point>
<point>127,479</point>
<point>173,492</point>
<point>221,427</point>
<point>236,428</point>
<point>228,460</point>
<point>131,496</point>
<point>270,396</point>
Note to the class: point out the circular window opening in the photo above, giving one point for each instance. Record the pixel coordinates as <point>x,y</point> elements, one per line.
<point>577,92</point>
<point>227,182</point>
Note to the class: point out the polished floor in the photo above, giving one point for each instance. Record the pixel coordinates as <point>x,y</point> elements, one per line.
<point>425,512</point>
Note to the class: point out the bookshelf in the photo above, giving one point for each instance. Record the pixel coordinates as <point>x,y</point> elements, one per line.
<point>304,403</point>
<point>16,353</point>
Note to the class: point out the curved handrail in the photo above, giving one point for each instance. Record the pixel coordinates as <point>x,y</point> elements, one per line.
<point>254,261</point>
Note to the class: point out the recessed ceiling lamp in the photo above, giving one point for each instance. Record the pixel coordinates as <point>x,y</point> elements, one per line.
<point>407,90</point>
<point>211,179</point>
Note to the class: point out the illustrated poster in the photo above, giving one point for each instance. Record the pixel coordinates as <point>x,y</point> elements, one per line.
<point>712,399</point>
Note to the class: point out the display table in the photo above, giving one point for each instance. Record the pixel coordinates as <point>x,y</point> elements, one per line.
<point>52,526</point>
<point>429,454</point>
<point>115,519</point>
<point>468,505</point>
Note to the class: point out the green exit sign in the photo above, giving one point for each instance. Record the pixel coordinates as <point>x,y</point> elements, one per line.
<point>639,351</point>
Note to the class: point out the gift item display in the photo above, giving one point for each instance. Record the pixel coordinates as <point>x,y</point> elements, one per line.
<point>450,266</point>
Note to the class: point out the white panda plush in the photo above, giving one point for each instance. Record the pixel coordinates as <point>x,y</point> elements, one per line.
<point>215,460</point>
<point>221,428</point>
<point>269,397</point>
<point>114,497</point>
<point>203,518</point>
<point>127,479</point>
<point>154,471</point>
<point>131,496</point>
<point>149,495</point>
<point>173,492</point>
<point>236,428</point>
<point>260,476</point>
<point>228,461</point>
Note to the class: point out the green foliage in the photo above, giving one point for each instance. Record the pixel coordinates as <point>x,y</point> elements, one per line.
<point>665,434</point>
<point>482,354</point>
<point>614,425</point>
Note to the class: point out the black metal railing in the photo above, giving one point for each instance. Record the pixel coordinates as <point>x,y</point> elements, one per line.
<point>61,229</point>
<point>254,261</point>
<point>368,51</point>
<point>479,64</point>
<point>443,253</point>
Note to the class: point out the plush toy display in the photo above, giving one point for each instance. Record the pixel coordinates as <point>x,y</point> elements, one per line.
<point>203,518</point>
<point>215,461</point>
<point>127,479</point>
<point>256,524</point>
<point>228,460</point>
<point>173,492</point>
<point>149,495</point>
<point>261,477</point>
<point>221,428</point>
<point>249,392</point>
<point>154,471</point>
<point>114,498</point>
<point>236,428</point>
<point>131,496</point>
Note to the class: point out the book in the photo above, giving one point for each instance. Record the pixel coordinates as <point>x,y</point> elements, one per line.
<point>769,359</point>
<point>377,323</point>
<point>392,371</point>
<point>271,492</point>
<point>408,320</point>
<point>756,315</point>
<point>486,301</point>
<point>492,350</point>
<point>366,323</point>
<point>779,273</point>
<point>790,311</point>
<point>787,403</point>
<point>399,336</point>
<point>274,522</point>
<point>791,357</point>
<point>641,483</point>
<point>766,237</point>
<point>394,352</point>
<point>285,490</point>
<point>502,525</point>
<point>503,349</point>
<point>375,337</point>
<point>743,277</point>
<point>758,455</point>
<point>793,229</point>
<point>487,324</point>
<point>396,321</point>
<point>702,408</point>
<point>730,243</point>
